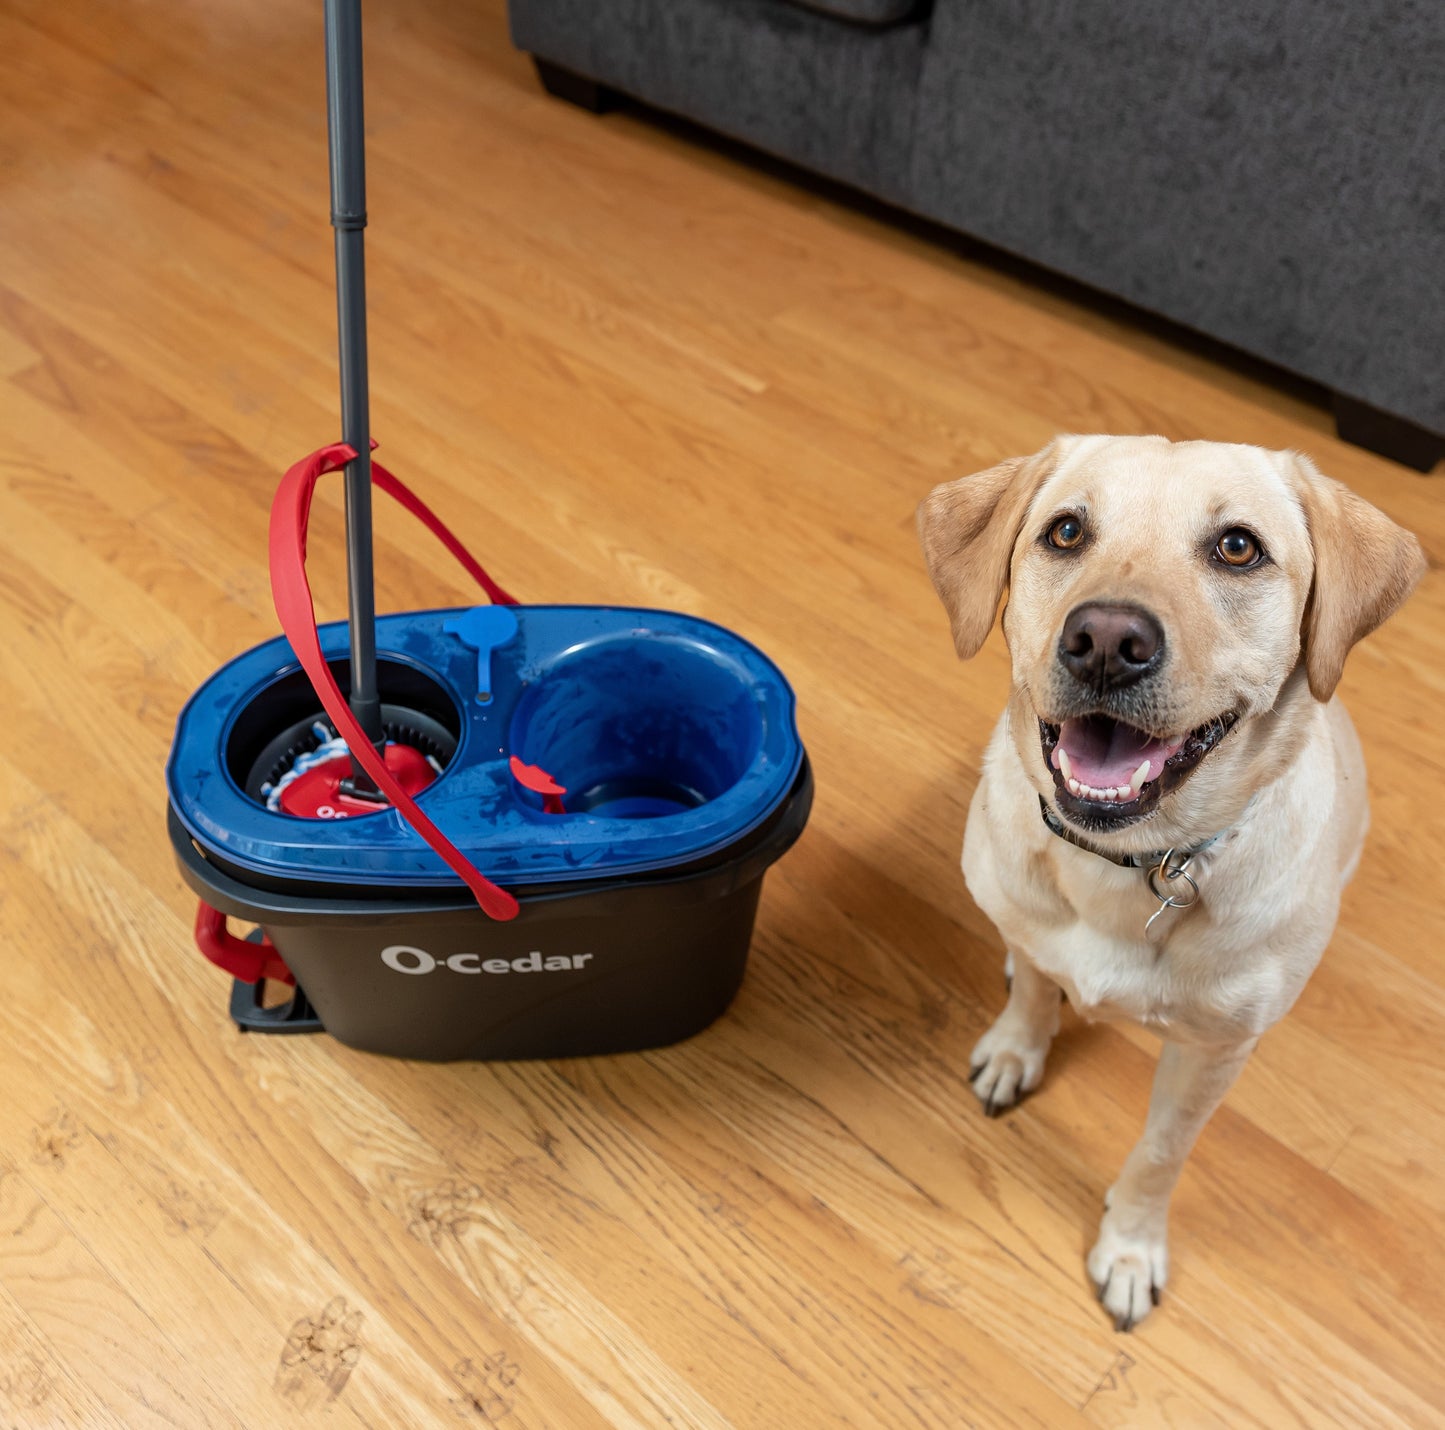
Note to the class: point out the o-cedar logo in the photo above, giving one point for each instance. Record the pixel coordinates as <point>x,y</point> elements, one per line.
<point>405,958</point>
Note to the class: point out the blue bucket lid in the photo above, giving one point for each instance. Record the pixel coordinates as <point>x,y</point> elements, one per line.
<point>673,737</point>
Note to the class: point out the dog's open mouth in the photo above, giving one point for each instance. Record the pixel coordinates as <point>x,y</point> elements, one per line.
<point>1107,773</point>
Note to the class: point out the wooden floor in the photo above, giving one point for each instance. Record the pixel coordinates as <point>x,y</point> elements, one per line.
<point>630,368</point>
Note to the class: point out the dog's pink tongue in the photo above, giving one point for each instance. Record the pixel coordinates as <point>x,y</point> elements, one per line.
<point>1107,753</point>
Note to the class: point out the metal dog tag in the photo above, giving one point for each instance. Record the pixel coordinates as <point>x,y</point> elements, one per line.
<point>1171,868</point>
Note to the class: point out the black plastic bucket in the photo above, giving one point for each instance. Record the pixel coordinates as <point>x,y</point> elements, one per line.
<point>607,967</point>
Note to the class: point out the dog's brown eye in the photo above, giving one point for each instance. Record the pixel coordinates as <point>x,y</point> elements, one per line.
<point>1066,533</point>
<point>1237,547</point>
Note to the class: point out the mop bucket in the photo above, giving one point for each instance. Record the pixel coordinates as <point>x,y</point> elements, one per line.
<point>580,804</point>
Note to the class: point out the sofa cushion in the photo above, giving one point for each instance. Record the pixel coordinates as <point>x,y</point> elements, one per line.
<point>835,97</point>
<point>862,12</point>
<point>1271,175</point>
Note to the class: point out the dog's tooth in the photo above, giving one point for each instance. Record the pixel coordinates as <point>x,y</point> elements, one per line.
<point>1075,788</point>
<point>1065,768</point>
<point>1140,775</point>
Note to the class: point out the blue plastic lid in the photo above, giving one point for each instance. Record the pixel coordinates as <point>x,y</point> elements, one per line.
<point>673,737</point>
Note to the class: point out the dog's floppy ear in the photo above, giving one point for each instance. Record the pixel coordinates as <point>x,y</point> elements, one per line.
<point>1365,567</point>
<point>968,529</point>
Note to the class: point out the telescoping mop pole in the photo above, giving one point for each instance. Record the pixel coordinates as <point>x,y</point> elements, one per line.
<point>346,133</point>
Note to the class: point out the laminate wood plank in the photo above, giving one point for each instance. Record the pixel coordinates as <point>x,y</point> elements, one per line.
<point>92,1319</point>
<point>36,1387</point>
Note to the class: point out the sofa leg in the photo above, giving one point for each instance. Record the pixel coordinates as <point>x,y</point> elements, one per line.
<point>575,88</point>
<point>1390,436</point>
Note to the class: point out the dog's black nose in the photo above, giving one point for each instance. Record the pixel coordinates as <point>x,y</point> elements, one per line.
<point>1107,647</point>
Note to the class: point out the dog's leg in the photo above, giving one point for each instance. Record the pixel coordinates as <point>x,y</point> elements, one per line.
<point>1130,1261</point>
<point>1008,1060</point>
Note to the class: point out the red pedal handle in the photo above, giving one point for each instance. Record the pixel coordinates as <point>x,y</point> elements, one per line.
<point>250,962</point>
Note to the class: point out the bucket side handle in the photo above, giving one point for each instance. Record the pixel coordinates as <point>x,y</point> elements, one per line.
<point>244,961</point>
<point>291,592</point>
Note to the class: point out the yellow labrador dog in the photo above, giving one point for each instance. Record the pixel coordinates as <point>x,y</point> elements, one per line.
<point>1173,799</point>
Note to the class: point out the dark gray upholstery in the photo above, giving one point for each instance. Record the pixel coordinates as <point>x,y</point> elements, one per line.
<point>832,95</point>
<point>1272,175</point>
<point>863,12</point>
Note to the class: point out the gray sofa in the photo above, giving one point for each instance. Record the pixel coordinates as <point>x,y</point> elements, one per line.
<point>1269,174</point>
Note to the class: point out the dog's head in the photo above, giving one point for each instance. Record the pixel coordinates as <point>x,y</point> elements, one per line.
<point>1162,599</point>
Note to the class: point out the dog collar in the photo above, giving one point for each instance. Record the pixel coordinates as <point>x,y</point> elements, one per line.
<point>1055,825</point>
<point>1164,866</point>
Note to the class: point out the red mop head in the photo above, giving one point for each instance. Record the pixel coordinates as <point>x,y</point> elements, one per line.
<point>307,770</point>
<point>317,793</point>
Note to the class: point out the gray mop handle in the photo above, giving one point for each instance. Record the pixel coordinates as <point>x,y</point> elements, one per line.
<point>347,136</point>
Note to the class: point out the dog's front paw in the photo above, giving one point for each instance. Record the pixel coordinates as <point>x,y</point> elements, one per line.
<point>1006,1063</point>
<point>1128,1269</point>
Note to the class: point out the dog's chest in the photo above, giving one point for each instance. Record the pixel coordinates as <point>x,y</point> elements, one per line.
<point>1168,986</point>
<point>1107,979</point>
<point>1221,971</point>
